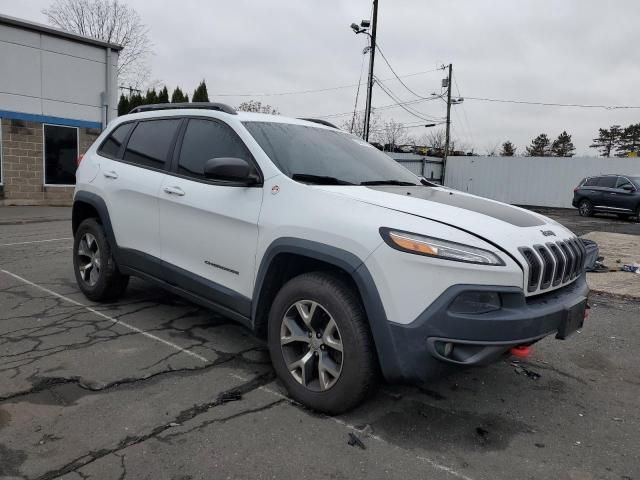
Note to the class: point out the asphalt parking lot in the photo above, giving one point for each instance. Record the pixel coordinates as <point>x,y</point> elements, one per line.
<point>601,222</point>
<point>136,389</point>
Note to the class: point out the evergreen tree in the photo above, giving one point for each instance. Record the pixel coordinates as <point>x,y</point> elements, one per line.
<point>163,96</point>
<point>629,143</point>
<point>563,146</point>
<point>178,97</point>
<point>607,140</point>
<point>540,146</point>
<point>152,97</point>
<point>508,150</point>
<point>186,98</point>
<point>123,105</point>
<point>135,100</point>
<point>200,94</point>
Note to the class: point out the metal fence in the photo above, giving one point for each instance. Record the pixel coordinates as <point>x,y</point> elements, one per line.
<point>427,167</point>
<point>536,181</point>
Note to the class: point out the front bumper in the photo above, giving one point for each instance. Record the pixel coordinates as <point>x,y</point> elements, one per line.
<point>478,339</point>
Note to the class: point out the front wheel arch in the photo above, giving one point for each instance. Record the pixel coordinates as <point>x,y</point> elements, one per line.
<point>285,252</point>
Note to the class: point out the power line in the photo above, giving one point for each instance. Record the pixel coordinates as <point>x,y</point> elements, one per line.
<point>550,104</point>
<point>464,112</point>
<point>382,107</point>
<point>396,75</point>
<point>402,104</point>
<point>319,90</point>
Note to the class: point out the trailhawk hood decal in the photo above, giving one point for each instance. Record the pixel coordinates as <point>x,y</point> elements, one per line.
<point>500,211</point>
<point>502,224</point>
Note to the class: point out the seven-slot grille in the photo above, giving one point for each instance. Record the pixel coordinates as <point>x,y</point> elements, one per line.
<point>554,263</point>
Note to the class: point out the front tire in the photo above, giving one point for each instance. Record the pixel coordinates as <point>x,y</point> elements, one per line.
<point>96,271</point>
<point>320,343</point>
<point>585,208</point>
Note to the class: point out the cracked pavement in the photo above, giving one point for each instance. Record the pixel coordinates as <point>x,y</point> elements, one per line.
<point>139,388</point>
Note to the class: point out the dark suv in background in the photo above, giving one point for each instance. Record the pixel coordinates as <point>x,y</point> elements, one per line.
<point>618,194</point>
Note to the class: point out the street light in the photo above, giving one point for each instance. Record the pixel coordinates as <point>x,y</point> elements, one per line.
<point>363,28</point>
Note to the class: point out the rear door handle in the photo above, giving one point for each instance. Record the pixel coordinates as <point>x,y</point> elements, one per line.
<point>110,174</point>
<point>174,191</point>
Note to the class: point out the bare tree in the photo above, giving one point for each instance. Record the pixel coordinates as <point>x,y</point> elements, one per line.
<point>434,139</point>
<point>258,107</point>
<point>110,21</point>
<point>355,125</point>
<point>393,134</point>
<point>491,149</point>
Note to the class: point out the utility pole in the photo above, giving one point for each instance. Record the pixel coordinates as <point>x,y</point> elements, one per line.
<point>372,53</point>
<point>446,142</point>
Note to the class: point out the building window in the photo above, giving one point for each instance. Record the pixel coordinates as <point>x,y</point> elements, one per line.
<point>60,155</point>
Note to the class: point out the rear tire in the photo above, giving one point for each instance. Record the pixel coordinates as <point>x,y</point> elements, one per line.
<point>96,271</point>
<point>320,343</point>
<point>585,208</point>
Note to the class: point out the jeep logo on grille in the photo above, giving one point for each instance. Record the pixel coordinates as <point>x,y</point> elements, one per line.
<point>548,233</point>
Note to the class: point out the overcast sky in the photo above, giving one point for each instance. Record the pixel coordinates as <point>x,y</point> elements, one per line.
<point>580,51</point>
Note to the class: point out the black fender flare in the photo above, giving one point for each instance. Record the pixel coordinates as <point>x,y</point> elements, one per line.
<point>361,276</point>
<point>103,212</point>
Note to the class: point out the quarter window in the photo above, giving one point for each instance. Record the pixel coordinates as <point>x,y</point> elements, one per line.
<point>204,140</point>
<point>591,182</point>
<point>60,155</point>
<point>149,143</point>
<point>111,146</point>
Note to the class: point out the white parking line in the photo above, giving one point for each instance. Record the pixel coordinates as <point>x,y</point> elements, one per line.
<point>377,438</point>
<point>35,241</point>
<point>107,317</point>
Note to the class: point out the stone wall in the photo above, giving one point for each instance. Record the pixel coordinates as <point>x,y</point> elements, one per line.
<point>22,164</point>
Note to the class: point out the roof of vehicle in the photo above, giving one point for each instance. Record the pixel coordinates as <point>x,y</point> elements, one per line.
<point>218,110</point>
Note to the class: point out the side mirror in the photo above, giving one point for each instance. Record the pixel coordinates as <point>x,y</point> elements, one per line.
<point>229,169</point>
<point>628,188</point>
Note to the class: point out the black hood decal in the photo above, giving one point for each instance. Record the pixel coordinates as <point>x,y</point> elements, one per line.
<point>500,211</point>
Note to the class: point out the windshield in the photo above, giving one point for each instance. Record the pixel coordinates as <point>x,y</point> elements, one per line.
<point>319,155</point>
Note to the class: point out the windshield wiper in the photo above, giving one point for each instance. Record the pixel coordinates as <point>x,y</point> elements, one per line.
<point>389,182</point>
<point>319,179</point>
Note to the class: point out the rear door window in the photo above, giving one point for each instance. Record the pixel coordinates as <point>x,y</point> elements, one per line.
<point>207,139</point>
<point>151,141</point>
<point>111,146</point>
<point>607,182</point>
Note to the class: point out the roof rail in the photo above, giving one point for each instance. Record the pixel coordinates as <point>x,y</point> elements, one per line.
<point>321,122</point>
<point>221,107</point>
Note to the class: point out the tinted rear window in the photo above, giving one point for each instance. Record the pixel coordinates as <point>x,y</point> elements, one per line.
<point>111,146</point>
<point>608,182</point>
<point>591,182</point>
<point>150,141</point>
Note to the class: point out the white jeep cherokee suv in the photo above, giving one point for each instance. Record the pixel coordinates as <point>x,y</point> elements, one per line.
<point>349,264</point>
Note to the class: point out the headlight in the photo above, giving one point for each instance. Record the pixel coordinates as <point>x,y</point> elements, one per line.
<point>436,247</point>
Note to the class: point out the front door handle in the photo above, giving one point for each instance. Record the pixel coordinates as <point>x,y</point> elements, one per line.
<point>174,191</point>
<point>110,174</point>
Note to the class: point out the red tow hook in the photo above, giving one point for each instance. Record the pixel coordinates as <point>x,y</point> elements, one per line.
<point>521,351</point>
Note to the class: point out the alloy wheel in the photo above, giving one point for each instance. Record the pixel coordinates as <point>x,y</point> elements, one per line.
<point>89,259</point>
<point>585,209</point>
<point>311,345</point>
